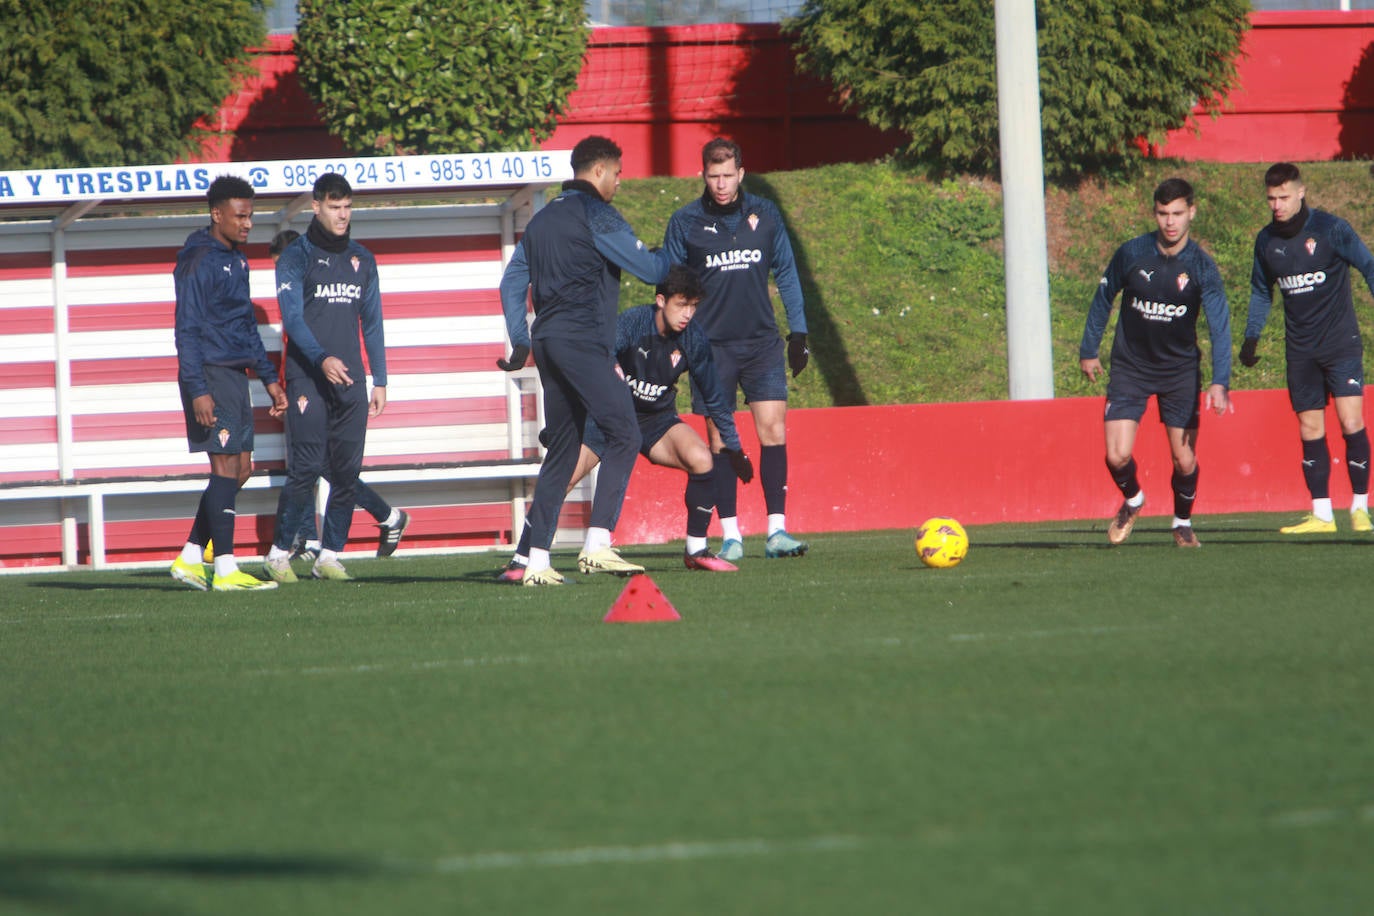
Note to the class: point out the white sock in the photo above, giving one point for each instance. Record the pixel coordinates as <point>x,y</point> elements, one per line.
<point>1359,501</point>
<point>539,559</point>
<point>695,545</point>
<point>192,553</point>
<point>393,519</point>
<point>776,522</point>
<point>313,545</point>
<point>597,539</point>
<point>1136,501</point>
<point>1182,522</point>
<point>225,566</point>
<point>729,529</point>
<point>277,553</point>
<point>327,555</point>
<point>1321,508</point>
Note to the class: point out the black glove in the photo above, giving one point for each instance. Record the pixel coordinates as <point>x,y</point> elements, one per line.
<point>518,354</point>
<point>739,461</point>
<point>1247,351</point>
<point>797,353</point>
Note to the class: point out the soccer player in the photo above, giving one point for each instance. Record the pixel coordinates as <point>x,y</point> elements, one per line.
<point>1309,253</point>
<point>654,345</point>
<point>1166,280</point>
<point>217,341</point>
<point>327,290</point>
<point>569,262</point>
<point>391,523</point>
<point>733,240</point>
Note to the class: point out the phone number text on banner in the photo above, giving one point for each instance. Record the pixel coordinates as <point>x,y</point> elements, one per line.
<point>455,171</point>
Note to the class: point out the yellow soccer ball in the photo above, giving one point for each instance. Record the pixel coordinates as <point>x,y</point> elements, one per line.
<point>941,542</point>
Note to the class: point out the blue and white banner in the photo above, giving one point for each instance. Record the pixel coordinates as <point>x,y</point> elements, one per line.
<point>286,176</point>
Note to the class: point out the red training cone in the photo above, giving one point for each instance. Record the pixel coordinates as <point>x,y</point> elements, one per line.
<point>641,601</point>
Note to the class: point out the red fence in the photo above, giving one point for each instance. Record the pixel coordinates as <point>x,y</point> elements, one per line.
<point>1306,93</point>
<point>860,468</point>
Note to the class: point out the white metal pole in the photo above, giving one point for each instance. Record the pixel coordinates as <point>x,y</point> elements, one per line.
<point>1030,358</point>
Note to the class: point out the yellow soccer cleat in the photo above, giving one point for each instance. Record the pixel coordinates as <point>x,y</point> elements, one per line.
<point>1359,521</point>
<point>606,560</point>
<point>279,570</point>
<point>330,569</point>
<point>192,574</point>
<point>546,576</point>
<point>240,581</point>
<point>1310,524</point>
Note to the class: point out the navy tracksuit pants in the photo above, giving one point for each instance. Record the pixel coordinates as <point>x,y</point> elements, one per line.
<point>579,380</point>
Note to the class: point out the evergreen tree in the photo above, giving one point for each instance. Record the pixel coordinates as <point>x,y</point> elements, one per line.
<point>119,82</point>
<point>440,76</point>
<point>1113,73</point>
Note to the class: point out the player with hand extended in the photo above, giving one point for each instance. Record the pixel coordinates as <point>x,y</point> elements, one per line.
<point>1309,253</point>
<point>734,240</point>
<point>568,263</point>
<point>1165,280</point>
<point>654,345</point>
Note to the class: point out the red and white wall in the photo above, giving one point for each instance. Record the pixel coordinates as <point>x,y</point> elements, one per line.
<point>103,360</point>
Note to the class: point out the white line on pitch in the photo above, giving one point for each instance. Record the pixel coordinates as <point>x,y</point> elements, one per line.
<point>1049,634</point>
<point>50,618</point>
<point>635,855</point>
<point>1314,817</point>
<point>479,662</point>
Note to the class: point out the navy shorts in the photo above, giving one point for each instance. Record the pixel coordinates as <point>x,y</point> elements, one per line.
<point>1311,378</point>
<point>758,368</point>
<point>1178,402</point>
<point>652,427</point>
<point>232,433</point>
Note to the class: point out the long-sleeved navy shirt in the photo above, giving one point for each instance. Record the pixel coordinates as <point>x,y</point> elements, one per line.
<point>1312,269</point>
<point>569,262</point>
<point>652,363</point>
<point>215,324</point>
<point>1161,297</point>
<point>324,297</point>
<point>733,252</point>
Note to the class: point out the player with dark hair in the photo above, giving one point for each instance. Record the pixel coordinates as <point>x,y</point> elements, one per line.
<point>568,263</point>
<point>327,290</point>
<point>217,341</point>
<point>1309,253</point>
<point>654,345</point>
<point>391,523</point>
<point>279,243</point>
<point>734,240</point>
<point>1166,280</point>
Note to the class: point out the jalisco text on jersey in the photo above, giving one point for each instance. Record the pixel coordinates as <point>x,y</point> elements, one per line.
<point>734,260</point>
<point>645,391</point>
<point>336,292</point>
<point>1302,283</point>
<point>1159,311</point>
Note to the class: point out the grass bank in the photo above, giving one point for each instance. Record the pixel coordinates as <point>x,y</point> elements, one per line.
<point>904,278</point>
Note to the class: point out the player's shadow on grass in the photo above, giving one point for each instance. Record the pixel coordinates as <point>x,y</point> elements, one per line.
<point>52,881</point>
<point>139,581</point>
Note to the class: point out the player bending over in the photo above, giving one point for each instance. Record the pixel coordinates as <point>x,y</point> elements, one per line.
<point>654,345</point>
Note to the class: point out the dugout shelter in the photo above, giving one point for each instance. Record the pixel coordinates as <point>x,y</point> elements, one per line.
<point>94,467</point>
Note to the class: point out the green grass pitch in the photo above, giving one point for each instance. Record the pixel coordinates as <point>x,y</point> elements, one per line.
<point>1054,726</point>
